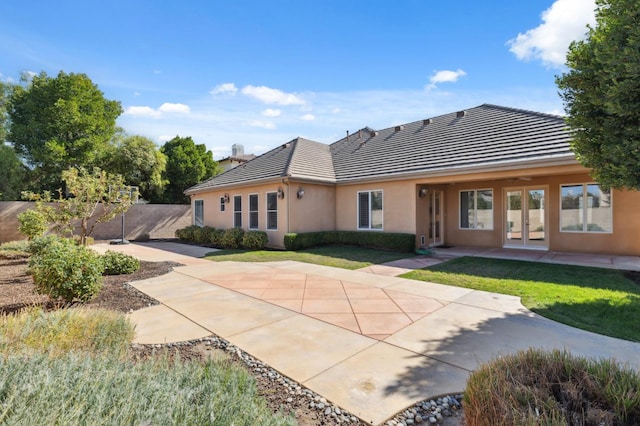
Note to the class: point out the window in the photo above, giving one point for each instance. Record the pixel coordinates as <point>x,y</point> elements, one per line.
<point>198,212</point>
<point>272,210</point>
<point>222,204</point>
<point>370,210</point>
<point>253,211</point>
<point>585,208</point>
<point>476,209</point>
<point>237,211</point>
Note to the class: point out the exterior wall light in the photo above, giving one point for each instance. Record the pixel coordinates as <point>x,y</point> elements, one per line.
<point>226,198</point>
<point>422,193</point>
<point>300,193</point>
<point>280,193</point>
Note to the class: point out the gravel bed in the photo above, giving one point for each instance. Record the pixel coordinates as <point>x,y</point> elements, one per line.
<point>432,411</point>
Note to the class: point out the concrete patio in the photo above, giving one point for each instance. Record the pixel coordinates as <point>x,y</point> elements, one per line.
<point>372,344</point>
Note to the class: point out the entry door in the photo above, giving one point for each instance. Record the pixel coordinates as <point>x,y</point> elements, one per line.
<point>436,225</point>
<point>526,218</point>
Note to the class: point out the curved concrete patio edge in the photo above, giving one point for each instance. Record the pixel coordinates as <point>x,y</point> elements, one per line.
<point>373,378</point>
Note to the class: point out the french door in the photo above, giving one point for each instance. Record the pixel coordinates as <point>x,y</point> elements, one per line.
<point>526,218</point>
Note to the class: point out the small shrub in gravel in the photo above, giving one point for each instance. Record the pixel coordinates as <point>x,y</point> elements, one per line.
<point>63,270</point>
<point>33,223</point>
<point>39,244</point>
<point>538,387</point>
<point>255,240</point>
<point>116,263</point>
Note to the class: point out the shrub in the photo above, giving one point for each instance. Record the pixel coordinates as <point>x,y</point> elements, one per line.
<point>116,263</point>
<point>14,249</point>
<point>383,240</point>
<point>32,223</point>
<point>538,387</point>
<point>97,331</point>
<point>232,238</point>
<point>215,237</point>
<point>39,244</point>
<point>255,240</point>
<point>187,234</point>
<point>64,270</point>
<point>202,235</point>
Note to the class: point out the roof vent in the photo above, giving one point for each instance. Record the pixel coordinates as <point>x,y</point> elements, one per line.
<point>374,134</point>
<point>398,128</point>
<point>427,121</point>
<point>461,114</point>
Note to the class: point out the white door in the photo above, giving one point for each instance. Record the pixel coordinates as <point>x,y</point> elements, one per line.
<point>526,218</point>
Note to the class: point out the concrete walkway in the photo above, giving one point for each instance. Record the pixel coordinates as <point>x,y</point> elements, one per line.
<point>372,344</point>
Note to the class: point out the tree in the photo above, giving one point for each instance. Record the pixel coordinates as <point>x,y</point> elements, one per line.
<point>12,174</point>
<point>187,164</point>
<point>58,123</point>
<point>601,92</point>
<point>92,198</point>
<point>139,161</point>
<point>5,93</point>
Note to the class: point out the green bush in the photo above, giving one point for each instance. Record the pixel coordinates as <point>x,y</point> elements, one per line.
<point>535,387</point>
<point>39,244</point>
<point>215,238</point>
<point>61,269</point>
<point>32,224</point>
<point>255,240</point>
<point>116,263</point>
<point>383,240</point>
<point>14,249</point>
<point>202,235</point>
<point>187,234</point>
<point>232,238</point>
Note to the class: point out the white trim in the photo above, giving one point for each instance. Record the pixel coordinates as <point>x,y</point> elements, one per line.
<point>266,221</point>
<point>253,211</point>
<point>475,209</point>
<point>584,222</point>
<point>195,201</point>
<point>525,202</point>
<point>358,228</point>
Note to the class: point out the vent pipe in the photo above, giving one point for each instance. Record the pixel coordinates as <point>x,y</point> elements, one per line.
<point>347,136</point>
<point>461,114</point>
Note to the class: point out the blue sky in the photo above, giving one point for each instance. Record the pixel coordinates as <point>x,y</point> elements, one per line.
<point>261,73</point>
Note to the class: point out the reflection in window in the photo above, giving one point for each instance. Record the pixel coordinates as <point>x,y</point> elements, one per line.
<point>585,208</point>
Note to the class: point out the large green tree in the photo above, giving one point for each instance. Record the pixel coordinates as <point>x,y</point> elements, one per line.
<point>601,91</point>
<point>139,161</point>
<point>187,164</point>
<point>60,122</point>
<point>12,174</point>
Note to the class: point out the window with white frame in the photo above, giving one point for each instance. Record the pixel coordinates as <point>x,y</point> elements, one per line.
<point>237,211</point>
<point>222,205</point>
<point>198,212</point>
<point>253,211</point>
<point>585,208</point>
<point>476,209</point>
<point>370,210</point>
<point>272,210</point>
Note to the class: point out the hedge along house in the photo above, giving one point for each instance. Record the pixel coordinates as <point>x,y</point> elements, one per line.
<point>489,176</point>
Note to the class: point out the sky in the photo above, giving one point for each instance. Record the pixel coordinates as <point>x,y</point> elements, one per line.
<point>261,73</point>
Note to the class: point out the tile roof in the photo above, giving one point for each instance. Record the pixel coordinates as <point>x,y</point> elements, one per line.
<point>484,136</point>
<point>301,158</point>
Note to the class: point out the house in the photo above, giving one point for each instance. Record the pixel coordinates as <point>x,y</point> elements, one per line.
<point>237,158</point>
<point>488,176</point>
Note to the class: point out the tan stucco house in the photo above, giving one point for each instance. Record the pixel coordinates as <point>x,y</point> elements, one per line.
<point>488,176</point>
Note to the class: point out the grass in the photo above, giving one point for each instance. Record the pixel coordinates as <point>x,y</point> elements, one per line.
<point>69,367</point>
<point>94,331</point>
<point>536,387</point>
<point>336,256</point>
<point>14,249</point>
<point>603,301</point>
<point>76,389</point>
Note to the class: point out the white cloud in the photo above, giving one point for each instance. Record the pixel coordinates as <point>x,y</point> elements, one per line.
<point>564,22</point>
<point>263,124</point>
<point>175,108</point>
<point>272,96</point>
<point>228,88</point>
<point>165,138</point>
<point>269,112</point>
<point>308,117</point>
<point>444,76</point>
<point>146,111</point>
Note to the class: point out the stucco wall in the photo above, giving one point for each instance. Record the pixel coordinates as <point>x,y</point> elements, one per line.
<point>152,220</point>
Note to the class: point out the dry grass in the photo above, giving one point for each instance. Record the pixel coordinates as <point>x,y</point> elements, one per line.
<point>535,387</point>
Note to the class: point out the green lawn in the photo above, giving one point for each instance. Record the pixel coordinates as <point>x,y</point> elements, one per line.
<point>600,300</point>
<point>337,256</point>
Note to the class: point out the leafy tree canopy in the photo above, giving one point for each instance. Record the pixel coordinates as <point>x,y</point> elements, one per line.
<point>60,122</point>
<point>12,174</point>
<point>139,161</point>
<point>187,164</point>
<point>601,92</point>
<point>93,197</point>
